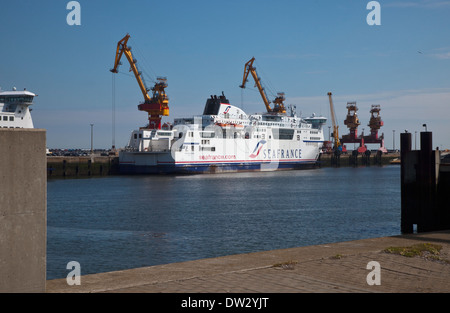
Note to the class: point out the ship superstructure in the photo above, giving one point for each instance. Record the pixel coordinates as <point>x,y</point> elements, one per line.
<point>14,109</point>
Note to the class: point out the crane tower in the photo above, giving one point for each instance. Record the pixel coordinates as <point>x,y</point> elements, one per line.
<point>156,105</point>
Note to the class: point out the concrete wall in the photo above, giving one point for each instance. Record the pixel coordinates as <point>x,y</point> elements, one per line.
<point>68,166</point>
<point>23,210</point>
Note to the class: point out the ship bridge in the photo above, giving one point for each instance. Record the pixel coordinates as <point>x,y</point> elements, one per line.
<point>14,111</point>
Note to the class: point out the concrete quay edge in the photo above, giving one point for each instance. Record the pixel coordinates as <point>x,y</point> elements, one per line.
<point>327,268</point>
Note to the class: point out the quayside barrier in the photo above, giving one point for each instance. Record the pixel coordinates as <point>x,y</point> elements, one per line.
<point>356,159</point>
<point>81,166</point>
<point>425,186</point>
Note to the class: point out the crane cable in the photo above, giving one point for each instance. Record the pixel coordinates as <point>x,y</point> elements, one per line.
<point>113,111</point>
<point>145,63</point>
<point>267,84</point>
<point>242,99</point>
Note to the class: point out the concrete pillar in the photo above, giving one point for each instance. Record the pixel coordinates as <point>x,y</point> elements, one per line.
<point>23,210</point>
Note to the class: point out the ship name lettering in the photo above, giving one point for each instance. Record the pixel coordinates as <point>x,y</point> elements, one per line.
<point>281,153</point>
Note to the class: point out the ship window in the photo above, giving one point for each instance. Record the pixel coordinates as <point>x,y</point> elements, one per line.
<point>11,118</point>
<point>298,137</point>
<point>284,134</point>
<point>207,134</point>
<point>247,135</point>
<point>5,118</point>
<point>135,136</point>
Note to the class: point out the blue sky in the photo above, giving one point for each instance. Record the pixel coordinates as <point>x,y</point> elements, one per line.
<point>303,48</point>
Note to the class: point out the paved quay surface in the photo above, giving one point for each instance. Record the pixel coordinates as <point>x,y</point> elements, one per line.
<point>329,268</point>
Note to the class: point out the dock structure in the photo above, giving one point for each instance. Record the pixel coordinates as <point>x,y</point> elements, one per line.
<point>82,166</point>
<point>352,122</point>
<point>334,267</point>
<point>354,158</point>
<point>23,210</point>
<point>344,267</point>
<point>425,183</point>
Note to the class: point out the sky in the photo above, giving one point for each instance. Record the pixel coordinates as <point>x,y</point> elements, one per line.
<point>302,48</point>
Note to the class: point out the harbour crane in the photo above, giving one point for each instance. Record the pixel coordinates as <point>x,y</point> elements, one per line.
<point>279,105</point>
<point>337,143</point>
<point>156,105</point>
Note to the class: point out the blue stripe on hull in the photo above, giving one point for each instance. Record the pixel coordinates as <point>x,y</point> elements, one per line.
<point>213,168</point>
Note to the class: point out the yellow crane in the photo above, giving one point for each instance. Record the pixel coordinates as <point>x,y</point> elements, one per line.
<point>156,105</point>
<point>337,143</point>
<point>279,106</point>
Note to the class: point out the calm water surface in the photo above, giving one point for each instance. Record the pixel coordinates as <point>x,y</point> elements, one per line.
<point>122,222</point>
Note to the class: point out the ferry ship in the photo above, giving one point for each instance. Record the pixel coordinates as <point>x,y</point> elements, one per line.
<point>14,109</point>
<point>225,139</point>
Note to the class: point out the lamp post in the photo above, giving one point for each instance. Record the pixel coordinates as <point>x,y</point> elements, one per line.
<point>393,139</point>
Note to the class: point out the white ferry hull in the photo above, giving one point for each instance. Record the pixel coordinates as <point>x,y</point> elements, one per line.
<point>163,163</point>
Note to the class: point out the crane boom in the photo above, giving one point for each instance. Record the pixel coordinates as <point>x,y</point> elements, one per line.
<point>279,106</point>
<point>156,105</point>
<point>249,68</point>
<point>121,49</point>
<point>337,143</point>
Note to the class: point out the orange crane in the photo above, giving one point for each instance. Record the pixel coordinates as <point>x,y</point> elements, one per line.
<point>337,143</point>
<point>279,106</point>
<point>156,105</point>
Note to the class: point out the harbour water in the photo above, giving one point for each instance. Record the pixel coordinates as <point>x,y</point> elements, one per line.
<point>122,222</point>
